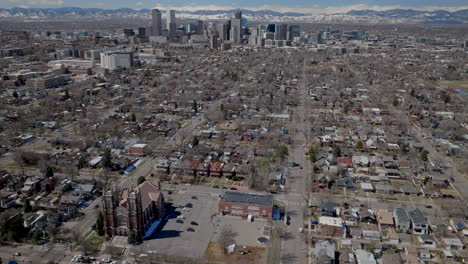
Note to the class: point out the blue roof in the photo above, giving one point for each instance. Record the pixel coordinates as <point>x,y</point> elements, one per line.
<point>129,169</point>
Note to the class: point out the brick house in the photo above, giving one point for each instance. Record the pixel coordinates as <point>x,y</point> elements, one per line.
<point>245,204</point>
<point>139,149</point>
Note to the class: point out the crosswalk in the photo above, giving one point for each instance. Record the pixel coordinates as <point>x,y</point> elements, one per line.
<point>293,203</point>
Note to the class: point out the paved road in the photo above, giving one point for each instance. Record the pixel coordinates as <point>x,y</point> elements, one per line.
<point>461,183</point>
<point>297,181</point>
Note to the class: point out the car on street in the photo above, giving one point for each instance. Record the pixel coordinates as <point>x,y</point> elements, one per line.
<point>233,188</point>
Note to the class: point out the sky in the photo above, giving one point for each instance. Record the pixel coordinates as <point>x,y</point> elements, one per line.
<point>303,6</point>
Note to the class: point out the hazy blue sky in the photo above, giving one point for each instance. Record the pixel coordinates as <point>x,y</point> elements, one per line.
<point>278,5</point>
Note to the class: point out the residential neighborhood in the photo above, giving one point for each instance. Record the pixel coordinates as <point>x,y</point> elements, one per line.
<point>232,141</point>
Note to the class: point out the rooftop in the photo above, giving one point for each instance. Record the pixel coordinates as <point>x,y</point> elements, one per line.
<point>247,198</point>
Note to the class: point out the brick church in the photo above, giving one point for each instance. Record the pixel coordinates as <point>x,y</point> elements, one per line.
<point>132,210</point>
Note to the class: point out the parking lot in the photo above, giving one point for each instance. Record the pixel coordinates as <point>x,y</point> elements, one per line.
<point>174,239</point>
<point>246,233</point>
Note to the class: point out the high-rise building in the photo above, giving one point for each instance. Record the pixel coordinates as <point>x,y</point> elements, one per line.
<point>116,60</point>
<point>171,23</point>
<point>228,30</point>
<point>222,31</point>
<point>294,31</point>
<point>200,27</point>
<point>234,38</point>
<point>271,28</point>
<point>214,41</point>
<point>281,31</point>
<point>128,32</point>
<point>156,24</point>
<point>236,26</point>
<point>142,32</point>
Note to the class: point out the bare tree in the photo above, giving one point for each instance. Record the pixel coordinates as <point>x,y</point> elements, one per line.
<point>226,237</point>
<point>19,159</point>
<point>52,230</point>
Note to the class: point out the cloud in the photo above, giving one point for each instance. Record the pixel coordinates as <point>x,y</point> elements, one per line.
<point>311,9</point>
<point>139,3</point>
<point>45,2</point>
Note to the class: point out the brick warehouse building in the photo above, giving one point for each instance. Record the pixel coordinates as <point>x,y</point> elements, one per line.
<point>132,210</point>
<point>245,204</point>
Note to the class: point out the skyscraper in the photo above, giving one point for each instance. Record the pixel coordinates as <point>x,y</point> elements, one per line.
<point>236,28</point>
<point>171,23</point>
<point>200,27</point>
<point>281,31</point>
<point>294,31</point>
<point>222,31</point>
<point>156,25</point>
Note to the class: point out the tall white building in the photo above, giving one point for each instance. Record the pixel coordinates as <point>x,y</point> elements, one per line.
<point>113,60</point>
<point>171,23</point>
<point>156,24</point>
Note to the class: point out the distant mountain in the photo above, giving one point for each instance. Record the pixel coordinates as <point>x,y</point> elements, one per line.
<point>426,17</point>
<point>369,16</point>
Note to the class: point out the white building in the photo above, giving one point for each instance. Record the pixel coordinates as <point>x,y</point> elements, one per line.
<point>116,60</point>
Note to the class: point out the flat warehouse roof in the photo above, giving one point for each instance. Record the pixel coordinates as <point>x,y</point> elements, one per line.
<point>247,198</point>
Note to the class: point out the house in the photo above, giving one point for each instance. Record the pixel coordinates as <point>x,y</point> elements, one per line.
<point>367,187</point>
<point>360,161</point>
<point>328,209</point>
<point>245,204</point>
<point>427,240</point>
<point>345,162</point>
<point>384,188</point>
<point>371,235</point>
<point>418,222</point>
<point>324,252</point>
<point>190,168</point>
<point>322,182</point>
<point>346,182</point>
<point>139,149</point>
<point>452,243</point>
<point>364,257</point>
<point>402,219</point>
<point>366,216</point>
<point>69,199</point>
<point>216,169</point>
<point>67,211</point>
<point>31,185</point>
<point>391,258</point>
<point>424,254</point>
<point>409,190</point>
<point>331,221</point>
<point>384,219</point>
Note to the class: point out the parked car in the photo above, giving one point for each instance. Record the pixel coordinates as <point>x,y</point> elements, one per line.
<point>194,223</point>
<point>179,221</point>
<point>233,188</point>
<point>190,229</point>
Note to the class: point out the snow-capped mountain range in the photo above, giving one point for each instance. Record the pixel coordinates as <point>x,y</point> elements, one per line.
<point>367,16</point>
